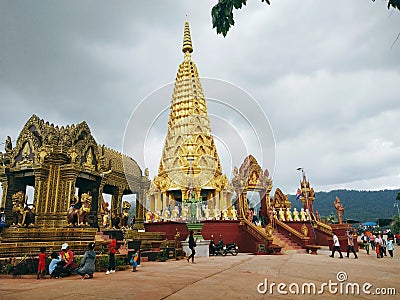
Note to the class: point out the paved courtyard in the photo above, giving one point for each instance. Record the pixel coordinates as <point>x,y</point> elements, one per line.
<point>242,277</point>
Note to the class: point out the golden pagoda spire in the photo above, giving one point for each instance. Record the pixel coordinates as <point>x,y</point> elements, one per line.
<point>187,41</point>
<point>189,137</point>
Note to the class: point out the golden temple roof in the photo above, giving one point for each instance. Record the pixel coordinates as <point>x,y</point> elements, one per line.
<point>189,133</point>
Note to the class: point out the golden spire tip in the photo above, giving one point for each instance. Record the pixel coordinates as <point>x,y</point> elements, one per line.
<point>187,40</point>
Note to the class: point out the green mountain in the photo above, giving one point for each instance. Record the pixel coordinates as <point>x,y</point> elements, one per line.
<point>363,206</point>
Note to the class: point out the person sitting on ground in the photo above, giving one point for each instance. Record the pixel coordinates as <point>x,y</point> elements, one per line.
<point>55,259</point>
<point>67,260</point>
<point>87,265</point>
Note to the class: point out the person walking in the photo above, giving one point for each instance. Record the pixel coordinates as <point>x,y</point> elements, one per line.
<point>112,249</point>
<point>192,246</point>
<point>378,242</point>
<point>42,262</point>
<point>336,246</point>
<point>383,247</point>
<point>390,247</point>
<point>350,245</point>
<point>372,241</point>
<point>365,240</point>
<point>87,265</point>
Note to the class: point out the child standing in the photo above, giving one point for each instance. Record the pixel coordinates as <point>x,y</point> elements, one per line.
<point>42,262</point>
<point>55,259</point>
<point>390,247</point>
<point>134,260</point>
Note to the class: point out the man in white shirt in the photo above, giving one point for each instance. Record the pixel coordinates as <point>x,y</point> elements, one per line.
<point>336,246</point>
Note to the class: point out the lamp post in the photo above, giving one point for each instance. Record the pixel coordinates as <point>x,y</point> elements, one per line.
<point>306,195</point>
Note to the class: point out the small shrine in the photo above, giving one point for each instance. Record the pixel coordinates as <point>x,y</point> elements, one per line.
<point>69,172</point>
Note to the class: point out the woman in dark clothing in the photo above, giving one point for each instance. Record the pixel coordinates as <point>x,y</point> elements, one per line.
<point>87,266</point>
<point>192,245</point>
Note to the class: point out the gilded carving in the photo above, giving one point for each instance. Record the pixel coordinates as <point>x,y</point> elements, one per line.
<point>304,230</point>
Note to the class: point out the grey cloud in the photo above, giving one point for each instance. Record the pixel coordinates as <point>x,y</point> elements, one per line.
<point>325,76</point>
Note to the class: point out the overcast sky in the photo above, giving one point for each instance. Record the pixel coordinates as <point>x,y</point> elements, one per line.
<point>324,73</point>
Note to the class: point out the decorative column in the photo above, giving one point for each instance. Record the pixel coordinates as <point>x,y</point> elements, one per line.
<point>4,186</point>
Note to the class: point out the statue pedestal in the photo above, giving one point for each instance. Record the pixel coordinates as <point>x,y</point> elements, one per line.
<point>196,227</point>
<point>201,248</point>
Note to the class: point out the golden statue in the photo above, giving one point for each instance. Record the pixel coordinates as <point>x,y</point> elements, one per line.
<point>233,213</point>
<point>18,209</point>
<point>216,213</point>
<point>295,215</point>
<point>126,206</point>
<point>303,215</point>
<point>83,214</point>
<point>43,153</point>
<point>166,214</point>
<point>339,209</point>
<point>224,214</point>
<point>185,212</point>
<point>288,214</point>
<point>281,215</point>
<point>148,216</point>
<point>175,213</point>
<point>206,213</point>
<point>89,160</point>
<point>72,213</point>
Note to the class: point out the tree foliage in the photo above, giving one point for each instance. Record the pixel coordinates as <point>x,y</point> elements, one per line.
<point>222,13</point>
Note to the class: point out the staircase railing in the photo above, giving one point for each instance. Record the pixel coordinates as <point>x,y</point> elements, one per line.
<point>292,233</point>
<point>323,227</point>
<point>256,232</point>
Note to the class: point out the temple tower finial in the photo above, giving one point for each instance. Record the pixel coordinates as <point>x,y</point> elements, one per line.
<point>187,41</point>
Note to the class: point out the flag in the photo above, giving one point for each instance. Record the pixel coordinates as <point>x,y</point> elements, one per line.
<point>298,195</point>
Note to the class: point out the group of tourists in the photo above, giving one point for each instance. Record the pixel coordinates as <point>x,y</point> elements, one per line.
<point>62,264</point>
<point>378,243</point>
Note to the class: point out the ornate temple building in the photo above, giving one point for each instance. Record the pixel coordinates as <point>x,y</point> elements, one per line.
<point>66,167</point>
<point>189,158</point>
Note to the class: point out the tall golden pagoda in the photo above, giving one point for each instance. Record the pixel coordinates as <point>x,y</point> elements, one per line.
<point>189,158</point>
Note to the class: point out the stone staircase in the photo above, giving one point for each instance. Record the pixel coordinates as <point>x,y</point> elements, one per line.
<point>285,242</point>
<point>19,242</point>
